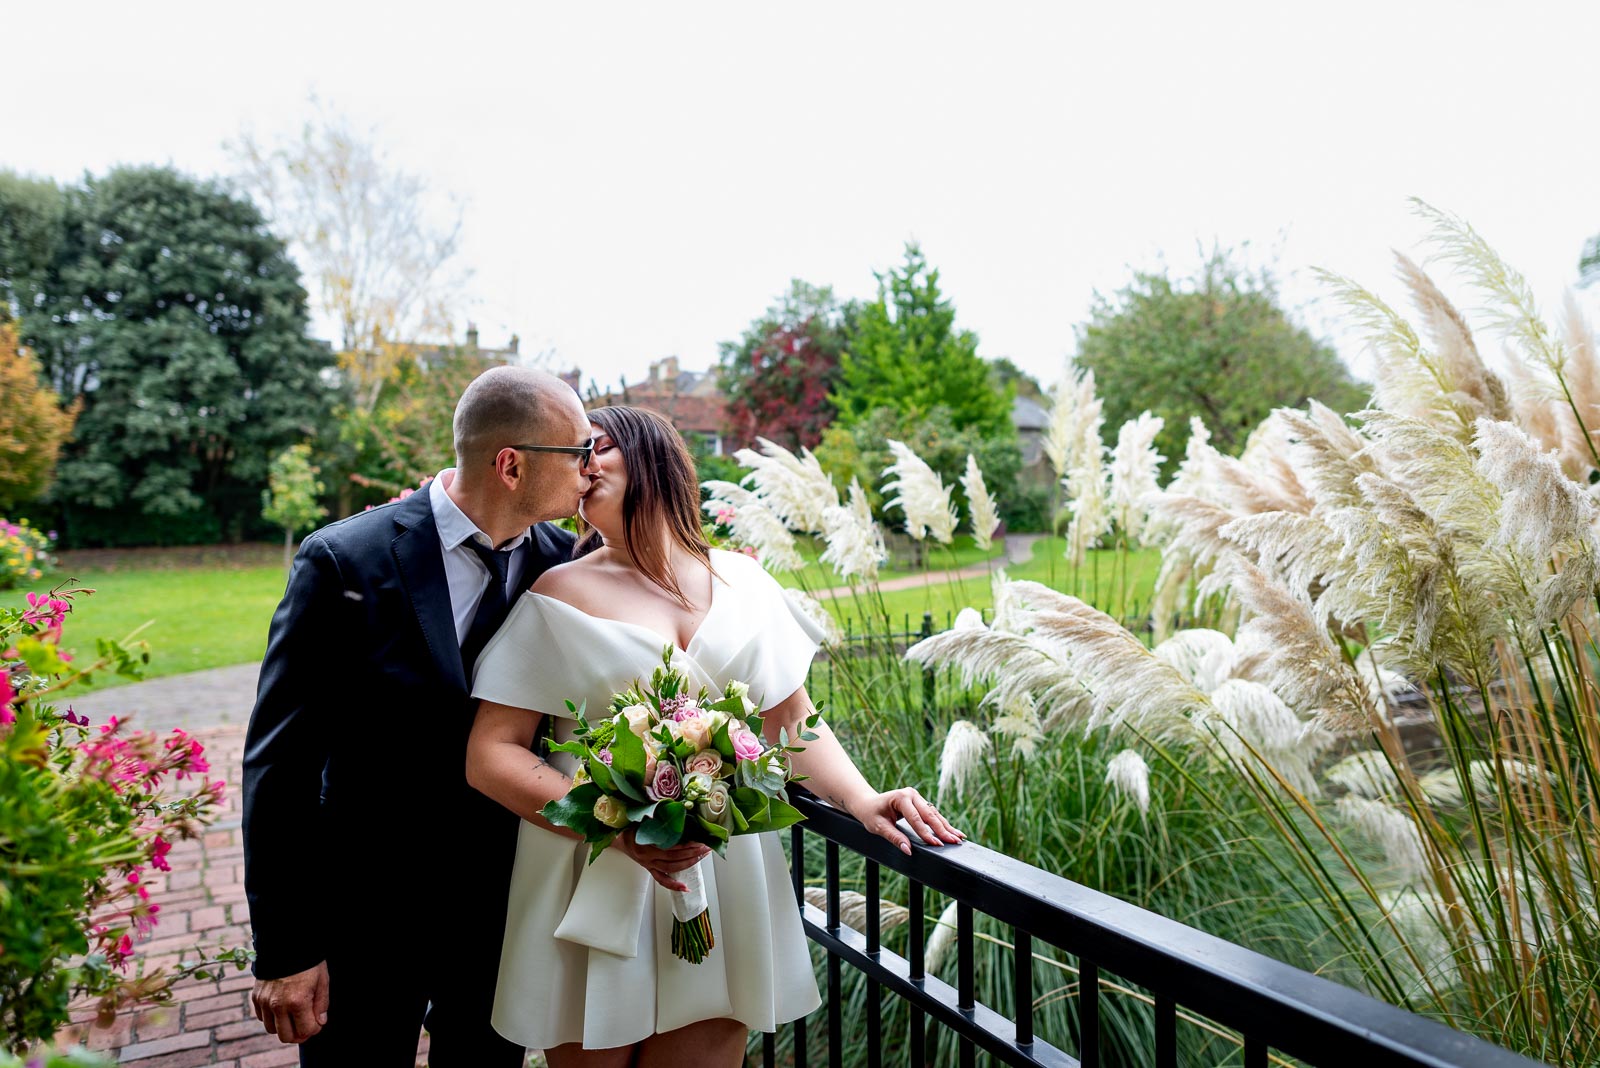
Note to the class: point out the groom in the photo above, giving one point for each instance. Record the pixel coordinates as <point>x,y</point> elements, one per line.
<point>376,878</point>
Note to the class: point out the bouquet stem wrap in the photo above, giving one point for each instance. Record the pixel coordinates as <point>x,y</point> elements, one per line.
<point>692,938</point>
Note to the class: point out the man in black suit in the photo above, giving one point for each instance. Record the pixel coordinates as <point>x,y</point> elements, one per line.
<point>377,879</point>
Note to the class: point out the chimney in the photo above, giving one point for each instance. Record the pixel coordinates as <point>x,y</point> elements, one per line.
<point>669,369</point>
<point>511,345</point>
<point>472,335</point>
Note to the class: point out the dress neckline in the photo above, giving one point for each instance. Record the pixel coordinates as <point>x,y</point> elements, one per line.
<point>640,627</point>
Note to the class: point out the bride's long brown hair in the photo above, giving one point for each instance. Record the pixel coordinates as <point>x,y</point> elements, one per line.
<point>663,494</point>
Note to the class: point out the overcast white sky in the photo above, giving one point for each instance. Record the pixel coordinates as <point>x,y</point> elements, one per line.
<point>642,180</point>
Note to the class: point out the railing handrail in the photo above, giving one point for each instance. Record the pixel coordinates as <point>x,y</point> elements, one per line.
<point>1303,1015</point>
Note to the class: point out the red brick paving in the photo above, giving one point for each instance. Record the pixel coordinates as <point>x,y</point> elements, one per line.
<point>207,1022</point>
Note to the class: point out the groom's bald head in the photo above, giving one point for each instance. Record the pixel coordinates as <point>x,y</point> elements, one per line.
<point>512,406</point>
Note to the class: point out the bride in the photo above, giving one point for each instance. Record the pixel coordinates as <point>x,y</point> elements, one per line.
<point>586,973</point>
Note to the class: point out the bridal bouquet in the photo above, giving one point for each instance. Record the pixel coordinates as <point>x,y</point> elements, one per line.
<point>681,766</point>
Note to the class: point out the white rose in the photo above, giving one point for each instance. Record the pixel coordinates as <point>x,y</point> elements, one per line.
<point>611,812</point>
<point>742,692</point>
<point>638,717</point>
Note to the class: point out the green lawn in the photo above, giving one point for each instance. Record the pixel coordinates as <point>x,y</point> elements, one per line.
<point>193,618</point>
<point>1118,582</point>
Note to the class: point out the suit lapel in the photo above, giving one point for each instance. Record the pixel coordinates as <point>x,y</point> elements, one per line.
<point>421,563</point>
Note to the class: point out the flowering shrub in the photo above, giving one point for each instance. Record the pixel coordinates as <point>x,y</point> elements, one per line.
<point>87,816</point>
<point>24,553</point>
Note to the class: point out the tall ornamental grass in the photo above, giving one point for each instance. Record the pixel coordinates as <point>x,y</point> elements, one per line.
<point>1435,559</point>
<point>1009,770</point>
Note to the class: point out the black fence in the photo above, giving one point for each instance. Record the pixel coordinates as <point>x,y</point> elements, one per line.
<point>1274,1010</point>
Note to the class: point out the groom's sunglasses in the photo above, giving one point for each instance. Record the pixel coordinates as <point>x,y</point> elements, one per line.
<point>583,452</point>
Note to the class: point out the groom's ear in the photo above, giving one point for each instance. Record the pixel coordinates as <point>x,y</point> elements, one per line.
<point>510,467</point>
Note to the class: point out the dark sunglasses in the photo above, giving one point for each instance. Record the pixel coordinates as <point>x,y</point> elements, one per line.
<point>584,452</point>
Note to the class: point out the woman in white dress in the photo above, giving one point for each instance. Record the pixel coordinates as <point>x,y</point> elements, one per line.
<point>586,972</point>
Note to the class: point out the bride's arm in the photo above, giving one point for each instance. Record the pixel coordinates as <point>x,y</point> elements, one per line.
<point>834,777</point>
<point>501,764</point>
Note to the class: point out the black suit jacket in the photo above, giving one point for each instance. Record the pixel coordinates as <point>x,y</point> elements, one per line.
<point>354,765</point>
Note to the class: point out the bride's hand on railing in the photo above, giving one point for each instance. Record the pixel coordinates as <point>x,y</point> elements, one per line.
<point>662,864</point>
<point>878,813</point>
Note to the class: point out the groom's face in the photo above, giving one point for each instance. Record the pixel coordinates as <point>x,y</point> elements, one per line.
<point>556,479</point>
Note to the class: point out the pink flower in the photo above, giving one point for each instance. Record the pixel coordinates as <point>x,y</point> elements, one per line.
<point>678,707</point>
<point>604,756</point>
<point>159,848</point>
<point>7,696</point>
<point>665,785</point>
<point>695,730</point>
<point>746,746</point>
<point>705,762</point>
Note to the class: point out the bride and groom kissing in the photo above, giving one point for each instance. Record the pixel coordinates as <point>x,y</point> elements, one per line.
<point>397,869</point>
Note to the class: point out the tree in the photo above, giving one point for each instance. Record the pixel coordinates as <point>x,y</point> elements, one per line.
<point>33,424</point>
<point>290,499</point>
<point>904,353</point>
<point>861,450</point>
<point>1218,346</point>
<point>778,376</point>
<point>31,215</point>
<point>370,237</point>
<point>1004,373</point>
<point>180,322</point>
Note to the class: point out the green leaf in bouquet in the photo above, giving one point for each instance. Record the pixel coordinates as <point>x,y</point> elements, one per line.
<point>600,845</point>
<point>752,805</point>
<point>577,749</point>
<point>664,828</point>
<point>781,815</point>
<point>600,772</point>
<point>733,706</point>
<point>718,833</point>
<point>575,811</point>
<point>721,742</point>
<point>627,756</point>
<point>740,824</point>
<point>637,813</point>
<point>628,789</point>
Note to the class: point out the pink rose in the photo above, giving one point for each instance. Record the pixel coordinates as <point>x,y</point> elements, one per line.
<point>705,762</point>
<point>746,746</point>
<point>695,730</point>
<point>665,784</point>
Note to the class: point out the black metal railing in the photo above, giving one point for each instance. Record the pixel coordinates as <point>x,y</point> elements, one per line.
<point>1270,1005</point>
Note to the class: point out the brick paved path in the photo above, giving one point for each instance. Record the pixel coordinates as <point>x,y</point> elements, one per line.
<point>202,898</point>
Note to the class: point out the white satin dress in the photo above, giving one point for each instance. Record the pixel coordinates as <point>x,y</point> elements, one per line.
<point>587,956</point>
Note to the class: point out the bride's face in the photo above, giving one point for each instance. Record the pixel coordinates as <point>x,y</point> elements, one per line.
<point>601,504</point>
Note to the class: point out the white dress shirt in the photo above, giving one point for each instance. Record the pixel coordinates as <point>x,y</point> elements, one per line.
<point>466,575</point>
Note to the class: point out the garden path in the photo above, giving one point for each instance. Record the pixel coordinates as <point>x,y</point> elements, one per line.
<point>1019,550</point>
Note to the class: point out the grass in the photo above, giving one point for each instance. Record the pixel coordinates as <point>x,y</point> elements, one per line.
<point>1120,582</point>
<point>193,618</point>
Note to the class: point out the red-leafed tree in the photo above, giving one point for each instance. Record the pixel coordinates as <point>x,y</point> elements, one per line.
<point>778,376</point>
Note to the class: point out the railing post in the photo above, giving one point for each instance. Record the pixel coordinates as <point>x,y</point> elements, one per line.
<point>928,680</point>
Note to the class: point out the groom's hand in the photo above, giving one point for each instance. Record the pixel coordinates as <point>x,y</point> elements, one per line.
<point>294,1007</point>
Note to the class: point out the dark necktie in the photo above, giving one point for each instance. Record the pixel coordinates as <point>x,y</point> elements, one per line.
<point>491,609</point>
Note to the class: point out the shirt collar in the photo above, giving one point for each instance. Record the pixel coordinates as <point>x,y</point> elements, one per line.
<point>454,527</point>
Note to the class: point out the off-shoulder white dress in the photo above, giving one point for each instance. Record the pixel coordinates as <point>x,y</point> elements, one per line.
<point>587,954</point>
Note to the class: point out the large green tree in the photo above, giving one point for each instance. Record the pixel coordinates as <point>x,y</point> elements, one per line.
<point>904,353</point>
<point>1219,345</point>
<point>180,322</point>
<point>778,376</point>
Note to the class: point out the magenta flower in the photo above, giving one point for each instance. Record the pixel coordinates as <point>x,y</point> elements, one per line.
<point>159,848</point>
<point>604,756</point>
